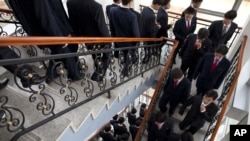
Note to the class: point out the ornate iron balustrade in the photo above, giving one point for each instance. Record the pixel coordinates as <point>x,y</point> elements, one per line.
<point>7,18</point>
<point>45,102</point>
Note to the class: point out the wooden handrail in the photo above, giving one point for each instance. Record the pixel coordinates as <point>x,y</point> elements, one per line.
<point>6,11</point>
<point>5,41</point>
<point>154,98</point>
<point>231,90</point>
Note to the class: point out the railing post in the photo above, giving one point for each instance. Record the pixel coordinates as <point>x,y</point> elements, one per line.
<point>109,94</point>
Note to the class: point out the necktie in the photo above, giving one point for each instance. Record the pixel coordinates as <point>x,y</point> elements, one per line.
<point>188,25</point>
<point>175,83</point>
<point>195,47</point>
<point>215,63</point>
<point>224,30</point>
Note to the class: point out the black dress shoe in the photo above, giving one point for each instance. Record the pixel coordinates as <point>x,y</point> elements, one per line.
<point>4,82</point>
<point>96,77</point>
<point>145,60</point>
<point>2,114</point>
<point>35,80</point>
<point>48,80</point>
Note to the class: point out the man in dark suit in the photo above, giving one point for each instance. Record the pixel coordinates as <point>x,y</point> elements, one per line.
<point>138,15</point>
<point>183,27</point>
<point>133,128</point>
<point>159,127</point>
<point>47,18</point>
<point>132,116</point>
<point>222,30</point>
<point>120,128</point>
<point>211,70</point>
<point>106,134</point>
<point>150,26</point>
<point>194,47</point>
<point>162,18</point>
<point>114,4</point>
<point>7,53</point>
<point>87,20</point>
<point>176,90</point>
<point>123,23</point>
<point>203,109</point>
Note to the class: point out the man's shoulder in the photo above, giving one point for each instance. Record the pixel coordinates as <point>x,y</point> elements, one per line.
<point>217,22</point>
<point>235,25</point>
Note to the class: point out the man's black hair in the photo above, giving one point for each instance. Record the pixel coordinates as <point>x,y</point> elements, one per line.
<point>196,1</point>
<point>165,2</point>
<point>159,2</point>
<point>203,33</point>
<point>231,14</point>
<point>222,49</point>
<point>212,93</point>
<point>107,128</point>
<point>189,10</point>
<point>177,73</point>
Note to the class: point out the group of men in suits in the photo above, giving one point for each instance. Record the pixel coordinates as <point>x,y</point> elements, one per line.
<point>48,18</point>
<point>204,56</point>
<point>124,23</point>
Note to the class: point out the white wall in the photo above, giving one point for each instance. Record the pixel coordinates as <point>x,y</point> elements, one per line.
<point>242,99</point>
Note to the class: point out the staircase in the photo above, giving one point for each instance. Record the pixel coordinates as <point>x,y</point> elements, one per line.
<point>79,123</point>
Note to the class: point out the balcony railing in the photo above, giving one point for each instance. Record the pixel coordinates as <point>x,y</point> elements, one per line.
<point>46,103</point>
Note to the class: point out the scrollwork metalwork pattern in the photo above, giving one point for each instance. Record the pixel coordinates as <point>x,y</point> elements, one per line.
<point>46,103</point>
<point>14,118</point>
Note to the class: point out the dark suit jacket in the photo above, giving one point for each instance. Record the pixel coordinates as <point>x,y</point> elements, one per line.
<point>160,135</point>
<point>148,19</point>
<point>41,17</point>
<point>123,23</point>
<point>177,94</point>
<point>106,136</point>
<point>119,130</point>
<point>195,116</point>
<point>138,15</point>
<point>162,18</point>
<point>207,79</point>
<point>87,18</point>
<point>131,118</point>
<point>180,29</point>
<point>215,35</point>
<point>108,7</point>
<point>191,55</point>
<point>133,131</point>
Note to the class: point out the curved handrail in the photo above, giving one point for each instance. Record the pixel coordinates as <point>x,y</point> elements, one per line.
<point>6,11</point>
<point>231,90</point>
<point>48,40</point>
<point>156,92</point>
